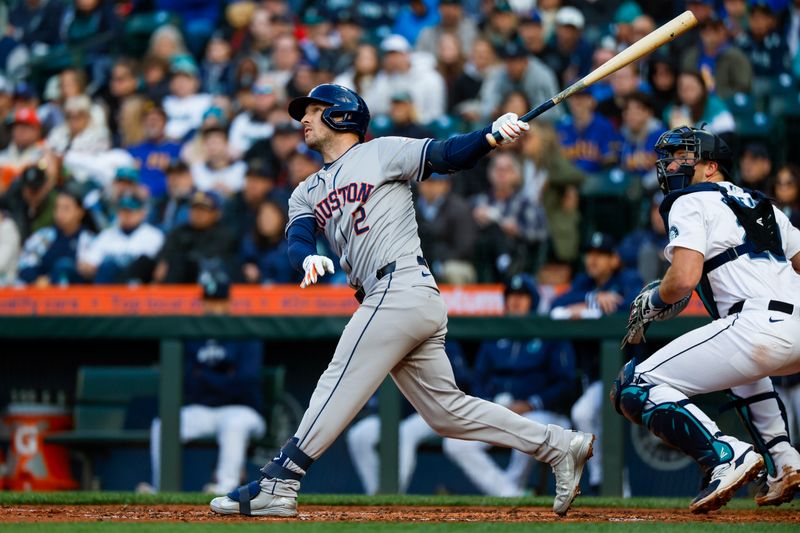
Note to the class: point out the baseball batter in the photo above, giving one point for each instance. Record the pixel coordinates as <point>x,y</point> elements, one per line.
<point>361,201</point>
<point>743,257</point>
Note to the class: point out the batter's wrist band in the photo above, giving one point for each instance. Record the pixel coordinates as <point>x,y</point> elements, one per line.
<point>655,298</point>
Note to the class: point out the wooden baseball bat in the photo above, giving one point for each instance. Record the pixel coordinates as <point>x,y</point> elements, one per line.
<point>666,33</point>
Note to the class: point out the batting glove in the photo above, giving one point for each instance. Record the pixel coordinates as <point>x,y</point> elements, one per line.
<point>510,127</point>
<point>315,267</point>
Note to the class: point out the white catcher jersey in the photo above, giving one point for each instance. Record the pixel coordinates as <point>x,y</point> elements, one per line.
<point>362,203</point>
<point>701,221</point>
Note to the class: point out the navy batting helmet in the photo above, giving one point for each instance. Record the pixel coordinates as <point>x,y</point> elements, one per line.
<point>703,144</point>
<point>347,111</point>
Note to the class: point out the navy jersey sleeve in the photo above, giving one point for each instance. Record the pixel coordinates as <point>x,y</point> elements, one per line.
<point>560,379</point>
<point>582,285</point>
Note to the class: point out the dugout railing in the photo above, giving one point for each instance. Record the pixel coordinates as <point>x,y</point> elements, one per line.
<point>170,331</point>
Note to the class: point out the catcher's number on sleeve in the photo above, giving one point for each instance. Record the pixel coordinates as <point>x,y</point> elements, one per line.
<point>643,312</point>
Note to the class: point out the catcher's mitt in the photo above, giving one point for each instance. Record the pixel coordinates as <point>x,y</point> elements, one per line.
<point>643,312</point>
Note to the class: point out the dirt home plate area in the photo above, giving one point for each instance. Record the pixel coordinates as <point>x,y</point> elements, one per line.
<point>322,513</point>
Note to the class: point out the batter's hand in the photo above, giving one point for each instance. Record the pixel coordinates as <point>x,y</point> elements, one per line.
<point>315,267</point>
<point>510,127</point>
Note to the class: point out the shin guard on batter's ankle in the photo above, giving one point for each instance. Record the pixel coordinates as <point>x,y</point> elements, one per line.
<point>673,423</point>
<point>290,463</point>
<point>760,415</point>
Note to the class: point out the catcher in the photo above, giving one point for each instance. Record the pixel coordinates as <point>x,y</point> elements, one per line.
<point>743,257</point>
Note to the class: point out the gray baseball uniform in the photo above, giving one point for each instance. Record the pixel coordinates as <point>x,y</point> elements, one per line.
<point>362,203</point>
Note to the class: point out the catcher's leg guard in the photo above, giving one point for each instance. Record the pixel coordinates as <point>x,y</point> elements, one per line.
<point>627,395</point>
<point>764,416</point>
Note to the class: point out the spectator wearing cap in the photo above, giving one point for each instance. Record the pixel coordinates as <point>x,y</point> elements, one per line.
<point>320,43</point>
<point>124,252</point>
<point>253,124</point>
<point>172,209</point>
<point>402,72</point>
<point>403,121</point>
<point>534,378</point>
<point>755,167</point>
<point>288,135</point>
<point>763,43</point>
<point>31,200</point>
<point>446,230</point>
<point>735,17</point>
<point>26,146</point>
<point>216,69</point>
<point>10,245</point>
<point>414,17</point>
<point>452,21</point>
<point>218,171</point>
<point>702,11</point>
<point>156,152</point>
<point>501,23</point>
<point>568,54</point>
<point>512,227</point>
<point>519,72</point>
<point>80,133</point>
<point>259,185</point>
<point>49,255</point>
<point>350,34</point>
<point>184,105</point>
<point>204,237</point>
<point>588,139</point>
<point>624,15</point>
<point>222,393</point>
<point>302,163</point>
<point>531,33</point>
<point>640,131</point>
<point>725,68</point>
<point>643,249</point>
<point>263,254</point>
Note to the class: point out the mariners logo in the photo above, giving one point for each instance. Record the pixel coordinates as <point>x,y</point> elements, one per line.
<point>655,453</point>
<point>673,232</point>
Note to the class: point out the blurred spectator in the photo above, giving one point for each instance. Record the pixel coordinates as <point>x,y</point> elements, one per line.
<point>450,63</point>
<point>533,378</point>
<point>25,148</point>
<point>588,139</point>
<point>10,244</point>
<point>451,21</point>
<point>531,33</point>
<point>302,162</point>
<point>763,43</point>
<point>284,57</point>
<point>695,106</point>
<point>241,209</point>
<point>172,209</point>
<point>793,29</point>
<point>414,17</point>
<point>263,254</point>
<point>350,35</point>
<point>167,44</point>
<point>253,124</point>
<point>725,68</point>
<point>219,171</point>
<point>511,226</point>
<point>643,249</point>
<point>184,105</point>
<point>258,42</point>
<point>640,131</point>
<point>403,119</point>
<point>755,167</point>
<point>31,201</point>
<point>287,137</point>
<point>363,437</point>
<point>193,150</point>
<point>6,107</point>
<point>198,20</point>
<point>446,231</point>
<point>155,77</point>
<point>72,82</point>
<point>702,11</point>
<point>605,288</point>
<point>568,55</point>
<point>122,85</point>
<point>662,76</point>
<point>735,17</point>
<point>416,75</point>
<point>624,16</point>
<point>463,98</point>
<point>501,25</point>
<point>786,191</point>
<point>555,182</point>
<point>49,255</point>
<point>361,75</point>
<point>79,133</point>
<point>216,69</point>
<point>622,83</point>
<point>222,394</point>
<point>124,252</point>
<point>156,152</point>
<point>520,72</point>
<point>203,238</point>
<point>93,27</point>
<point>33,23</point>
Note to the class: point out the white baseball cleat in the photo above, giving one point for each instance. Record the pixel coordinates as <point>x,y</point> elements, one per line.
<point>259,499</point>
<point>776,491</point>
<point>725,480</point>
<point>568,471</point>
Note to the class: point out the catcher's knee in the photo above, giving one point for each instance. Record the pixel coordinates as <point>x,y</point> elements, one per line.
<point>629,398</point>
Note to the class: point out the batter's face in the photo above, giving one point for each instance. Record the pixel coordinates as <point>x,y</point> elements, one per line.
<point>315,132</point>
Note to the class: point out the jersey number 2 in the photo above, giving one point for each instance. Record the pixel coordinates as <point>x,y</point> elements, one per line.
<point>359,214</point>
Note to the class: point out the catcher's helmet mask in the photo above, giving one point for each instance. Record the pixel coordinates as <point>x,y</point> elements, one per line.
<point>347,111</point>
<point>703,144</point>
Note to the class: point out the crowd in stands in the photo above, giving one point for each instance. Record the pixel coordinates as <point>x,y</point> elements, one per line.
<point>141,139</point>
